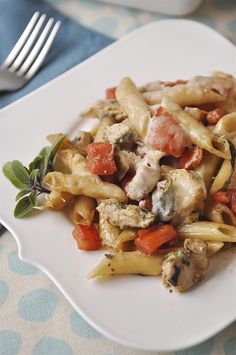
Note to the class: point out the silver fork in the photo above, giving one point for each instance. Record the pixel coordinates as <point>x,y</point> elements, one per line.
<point>28,53</point>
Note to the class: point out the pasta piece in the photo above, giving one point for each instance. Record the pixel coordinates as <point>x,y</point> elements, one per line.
<point>213,248</point>
<point>127,263</point>
<point>198,133</point>
<point>227,127</point>
<point>70,161</point>
<point>133,103</point>
<point>82,210</point>
<point>108,232</point>
<point>125,240</point>
<point>208,231</point>
<point>57,200</point>
<point>197,91</point>
<point>222,177</point>
<point>91,186</point>
<point>219,213</point>
<point>207,168</point>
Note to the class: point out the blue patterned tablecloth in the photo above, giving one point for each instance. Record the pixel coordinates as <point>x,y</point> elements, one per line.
<point>34,317</point>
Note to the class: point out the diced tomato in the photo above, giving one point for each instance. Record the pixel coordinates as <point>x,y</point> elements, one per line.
<point>101,158</point>
<point>87,237</point>
<point>111,93</point>
<point>215,115</point>
<point>174,83</point>
<point>147,203</point>
<point>233,203</point>
<point>166,134</point>
<point>221,197</point>
<point>190,158</point>
<point>232,197</point>
<point>149,240</point>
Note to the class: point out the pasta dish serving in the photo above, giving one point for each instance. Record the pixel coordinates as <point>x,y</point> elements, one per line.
<point>153,183</point>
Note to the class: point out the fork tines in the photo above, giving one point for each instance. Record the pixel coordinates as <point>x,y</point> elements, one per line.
<point>32,46</point>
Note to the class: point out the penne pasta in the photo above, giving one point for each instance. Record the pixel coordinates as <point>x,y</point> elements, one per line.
<point>108,232</point>
<point>127,263</point>
<point>124,242</point>
<point>222,177</point>
<point>208,231</point>
<point>190,94</point>
<point>92,186</point>
<point>198,133</point>
<point>219,213</point>
<point>207,168</point>
<point>227,127</point>
<point>133,103</point>
<point>57,200</point>
<point>82,210</point>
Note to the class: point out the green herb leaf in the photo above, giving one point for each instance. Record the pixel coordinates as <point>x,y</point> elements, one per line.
<point>21,194</point>
<point>33,198</point>
<point>55,146</point>
<point>8,172</point>
<point>20,172</point>
<point>35,163</point>
<point>44,167</point>
<point>45,151</point>
<point>29,180</point>
<point>23,207</point>
<point>34,176</point>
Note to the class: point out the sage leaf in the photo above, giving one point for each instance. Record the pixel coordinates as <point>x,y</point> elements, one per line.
<point>23,207</point>
<point>21,194</point>
<point>44,152</point>
<point>44,166</point>
<point>55,146</point>
<point>35,164</point>
<point>33,198</point>
<point>20,172</point>
<point>34,176</point>
<point>9,174</point>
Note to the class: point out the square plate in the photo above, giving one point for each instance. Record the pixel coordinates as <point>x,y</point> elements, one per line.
<point>133,310</point>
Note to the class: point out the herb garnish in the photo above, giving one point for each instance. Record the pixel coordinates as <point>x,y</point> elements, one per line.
<point>29,180</point>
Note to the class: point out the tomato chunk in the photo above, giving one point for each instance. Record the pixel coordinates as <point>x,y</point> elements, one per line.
<point>166,134</point>
<point>232,200</point>
<point>221,197</point>
<point>111,93</point>
<point>149,240</point>
<point>215,115</point>
<point>87,237</point>
<point>190,158</point>
<point>101,158</point>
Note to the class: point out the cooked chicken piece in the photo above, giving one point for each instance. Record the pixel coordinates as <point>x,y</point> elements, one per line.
<point>119,135</point>
<point>126,161</point>
<point>125,216</point>
<point>163,200</point>
<point>109,108</point>
<point>184,268</point>
<point>176,198</point>
<point>147,175</point>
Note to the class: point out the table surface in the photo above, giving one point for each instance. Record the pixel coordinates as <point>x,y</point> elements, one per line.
<point>34,316</point>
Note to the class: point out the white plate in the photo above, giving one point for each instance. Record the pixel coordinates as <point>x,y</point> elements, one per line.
<point>135,311</point>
